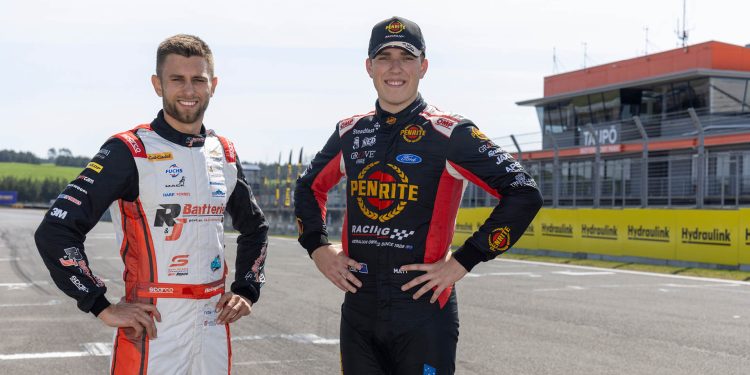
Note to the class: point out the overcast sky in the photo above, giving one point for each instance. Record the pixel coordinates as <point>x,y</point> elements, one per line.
<point>76,72</point>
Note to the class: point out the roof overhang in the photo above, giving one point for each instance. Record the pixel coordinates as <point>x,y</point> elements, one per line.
<point>687,74</point>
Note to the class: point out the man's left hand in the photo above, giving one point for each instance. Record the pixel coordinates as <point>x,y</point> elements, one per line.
<point>440,275</point>
<point>231,307</point>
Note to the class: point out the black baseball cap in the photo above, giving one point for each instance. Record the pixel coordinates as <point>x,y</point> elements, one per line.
<point>396,32</point>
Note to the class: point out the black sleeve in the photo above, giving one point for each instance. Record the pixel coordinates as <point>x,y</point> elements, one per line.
<point>252,242</point>
<point>481,161</point>
<point>311,194</point>
<point>109,176</point>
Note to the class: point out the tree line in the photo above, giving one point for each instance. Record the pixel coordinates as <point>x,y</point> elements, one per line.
<point>31,190</point>
<point>62,157</point>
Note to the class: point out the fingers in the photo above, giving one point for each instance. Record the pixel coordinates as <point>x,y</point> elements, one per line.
<point>417,267</point>
<point>424,289</point>
<point>223,301</point>
<point>235,308</point>
<point>149,309</point>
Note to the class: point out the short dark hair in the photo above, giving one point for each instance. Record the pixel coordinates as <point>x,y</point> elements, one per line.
<point>184,45</point>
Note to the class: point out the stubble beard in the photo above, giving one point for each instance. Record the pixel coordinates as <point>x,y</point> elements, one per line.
<point>186,118</point>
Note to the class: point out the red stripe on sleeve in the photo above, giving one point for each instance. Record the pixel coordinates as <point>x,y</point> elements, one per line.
<point>324,181</point>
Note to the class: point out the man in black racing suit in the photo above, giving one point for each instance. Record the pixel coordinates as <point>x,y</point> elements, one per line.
<point>406,164</point>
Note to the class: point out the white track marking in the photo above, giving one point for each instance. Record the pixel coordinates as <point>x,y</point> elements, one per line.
<point>736,282</point>
<point>48,303</point>
<point>97,349</point>
<point>584,273</point>
<point>528,274</point>
<point>9,259</point>
<point>251,363</point>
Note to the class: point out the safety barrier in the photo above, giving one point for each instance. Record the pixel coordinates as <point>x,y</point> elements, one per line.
<point>718,237</point>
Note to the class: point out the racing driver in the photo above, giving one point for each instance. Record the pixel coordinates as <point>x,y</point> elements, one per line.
<point>406,164</point>
<point>167,184</point>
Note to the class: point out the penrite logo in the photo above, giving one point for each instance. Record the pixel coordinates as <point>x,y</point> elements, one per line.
<point>499,239</point>
<point>413,133</point>
<point>395,27</point>
<point>476,133</point>
<point>380,195</point>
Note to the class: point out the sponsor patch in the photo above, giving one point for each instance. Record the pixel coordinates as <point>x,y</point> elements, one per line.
<point>218,193</point>
<point>499,239</point>
<point>161,156</point>
<point>174,170</point>
<point>216,264</point>
<point>409,159</point>
<point>69,198</point>
<point>87,179</point>
<point>382,191</point>
<point>179,265</point>
<point>96,167</point>
<point>413,133</point>
<point>476,133</point>
<point>395,27</point>
<point>180,183</point>
<point>82,190</point>
<point>390,120</point>
<point>103,153</point>
<point>362,269</point>
<point>78,284</point>
<point>58,213</point>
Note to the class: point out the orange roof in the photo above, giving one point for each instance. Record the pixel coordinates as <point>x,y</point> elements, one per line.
<point>708,55</point>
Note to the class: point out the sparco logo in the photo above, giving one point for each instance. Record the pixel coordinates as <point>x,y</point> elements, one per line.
<point>160,290</point>
<point>380,195</point>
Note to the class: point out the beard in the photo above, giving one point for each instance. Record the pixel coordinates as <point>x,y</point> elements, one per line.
<point>184,117</point>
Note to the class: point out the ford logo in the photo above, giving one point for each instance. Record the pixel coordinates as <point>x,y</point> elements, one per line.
<point>409,159</point>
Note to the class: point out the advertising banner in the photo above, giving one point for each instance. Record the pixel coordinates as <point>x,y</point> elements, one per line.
<point>703,236</point>
<point>8,197</point>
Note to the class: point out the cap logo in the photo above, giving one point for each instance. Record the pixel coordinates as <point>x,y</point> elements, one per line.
<point>395,27</point>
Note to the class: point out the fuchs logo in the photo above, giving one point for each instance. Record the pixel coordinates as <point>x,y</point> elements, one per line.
<point>380,195</point>
<point>413,133</point>
<point>476,133</point>
<point>395,27</point>
<point>499,239</point>
<point>173,170</point>
<point>409,159</point>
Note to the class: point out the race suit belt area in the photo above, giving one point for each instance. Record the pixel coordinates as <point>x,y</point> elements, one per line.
<point>189,291</point>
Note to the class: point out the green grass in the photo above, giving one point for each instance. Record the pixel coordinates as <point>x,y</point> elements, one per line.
<point>38,171</point>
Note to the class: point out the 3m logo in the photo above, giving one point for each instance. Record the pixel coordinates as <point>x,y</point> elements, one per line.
<point>58,213</point>
<point>380,195</point>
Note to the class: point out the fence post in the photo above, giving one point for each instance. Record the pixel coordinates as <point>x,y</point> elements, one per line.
<point>595,175</point>
<point>701,182</point>
<point>644,161</point>
<point>555,172</point>
<point>520,153</point>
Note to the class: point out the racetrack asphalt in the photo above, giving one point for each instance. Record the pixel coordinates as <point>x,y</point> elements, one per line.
<point>516,317</point>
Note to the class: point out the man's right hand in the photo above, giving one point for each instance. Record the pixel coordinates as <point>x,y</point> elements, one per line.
<point>132,315</point>
<point>334,265</point>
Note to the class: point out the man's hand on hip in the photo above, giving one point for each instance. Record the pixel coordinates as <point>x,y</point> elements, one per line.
<point>334,265</point>
<point>440,275</point>
<point>231,307</point>
<point>138,316</point>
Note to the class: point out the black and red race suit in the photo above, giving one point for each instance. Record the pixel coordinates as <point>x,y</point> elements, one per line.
<point>406,173</point>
